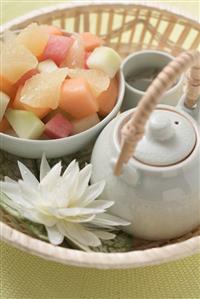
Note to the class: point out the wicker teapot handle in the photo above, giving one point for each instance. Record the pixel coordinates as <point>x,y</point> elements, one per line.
<point>133,130</point>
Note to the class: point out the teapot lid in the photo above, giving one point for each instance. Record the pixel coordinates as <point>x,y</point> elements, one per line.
<point>169,138</point>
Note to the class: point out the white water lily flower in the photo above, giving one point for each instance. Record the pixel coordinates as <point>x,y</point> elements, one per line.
<point>65,204</point>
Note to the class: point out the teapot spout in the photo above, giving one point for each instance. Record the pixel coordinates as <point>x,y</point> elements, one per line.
<point>194,111</point>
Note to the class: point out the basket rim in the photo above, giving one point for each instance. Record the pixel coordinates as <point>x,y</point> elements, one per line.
<point>79,4</point>
<point>123,260</point>
<point>134,259</point>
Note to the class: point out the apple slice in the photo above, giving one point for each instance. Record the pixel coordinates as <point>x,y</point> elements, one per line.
<point>77,98</point>
<point>85,123</point>
<point>86,56</point>
<point>43,90</point>
<point>57,48</point>
<point>16,60</point>
<point>4,100</point>
<point>58,127</point>
<point>105,59</point>
<point>47,66</point>
<point>25,123</point>
<point>34,38</point>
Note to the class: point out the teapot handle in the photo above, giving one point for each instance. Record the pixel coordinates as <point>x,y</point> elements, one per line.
<point>133,130</point>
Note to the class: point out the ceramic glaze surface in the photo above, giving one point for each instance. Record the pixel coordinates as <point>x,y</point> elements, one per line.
<point>160,202</point>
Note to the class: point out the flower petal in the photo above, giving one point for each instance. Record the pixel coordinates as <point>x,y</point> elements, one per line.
<point>27,175</point>
<point>84,177</point>
<point>100,204</point>
<point>9,180</point>
<point>108,220</point>
<point>44,167</point>
<point>80,234</point>
<point>54,235</point>
<point>49,181</point>
<point>92,193</point>
<point>80,219</point>
<point>104,235</point>
<point>71,168</point>
<point>71,212</point>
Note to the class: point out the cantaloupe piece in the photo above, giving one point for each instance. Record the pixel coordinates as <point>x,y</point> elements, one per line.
<point>34,38</point>
<point>4,101</point>
<point>25,123</point>
<point>85,123</point>
<point>4,125</point>
<point>16,60</point>
<point>107,99</point>
<point>40,112</point>
<point>50,29</point>
<point>43,90</point>
<point>91,41</point>
<point>98,80</point>
<point>77,98</point>
<point>7,87</point>
<point>25,77</point>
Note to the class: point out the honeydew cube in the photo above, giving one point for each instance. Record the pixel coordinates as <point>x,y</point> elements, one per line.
<point>4,101</point>
<point>25,123</point>
<point>47,66</point>
<point>85,123</point>
<point>105,59</point>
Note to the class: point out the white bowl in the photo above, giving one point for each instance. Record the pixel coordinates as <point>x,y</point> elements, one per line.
<point>54,148</point>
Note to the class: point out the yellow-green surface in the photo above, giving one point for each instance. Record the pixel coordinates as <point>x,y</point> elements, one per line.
<point>27,277</point>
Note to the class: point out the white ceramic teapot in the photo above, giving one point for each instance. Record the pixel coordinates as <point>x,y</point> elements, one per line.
<point>151,161</point>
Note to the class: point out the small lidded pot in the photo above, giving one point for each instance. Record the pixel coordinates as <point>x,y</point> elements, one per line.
<point>150,159</point>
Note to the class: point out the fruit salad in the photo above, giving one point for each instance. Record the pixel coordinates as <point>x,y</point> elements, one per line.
<point>53,84</point>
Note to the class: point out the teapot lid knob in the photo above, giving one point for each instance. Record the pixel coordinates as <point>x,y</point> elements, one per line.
<point>160,127</point>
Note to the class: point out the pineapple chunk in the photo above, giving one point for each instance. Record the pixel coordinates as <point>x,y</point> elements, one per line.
<point>47,66</point>
<point>16,60</point>
<point>43,90</point>
<point>34,38</point>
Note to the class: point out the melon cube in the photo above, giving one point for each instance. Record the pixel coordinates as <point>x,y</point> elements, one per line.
<point>75,57</point>
<point>47,66</point>
<point>85,123</point>
<point>91,41</point>
<point>25,123</point>
<point>4,100</point>
<point>77,99</point>
<point>107,99</point>
<point>4,125</point>
<point>57,48</point>
<point>105,59</point>
<point>16,60</point>
<point>34,38</point>
<point>17,104</point>
<point>58,127</point>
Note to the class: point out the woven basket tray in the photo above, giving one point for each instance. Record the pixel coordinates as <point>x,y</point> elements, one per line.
<point>126,28</point>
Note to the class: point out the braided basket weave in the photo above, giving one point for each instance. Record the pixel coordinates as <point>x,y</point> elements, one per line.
<point>126,28</point>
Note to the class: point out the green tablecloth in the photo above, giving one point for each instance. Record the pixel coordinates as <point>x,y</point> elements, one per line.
<point>25,277</point>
